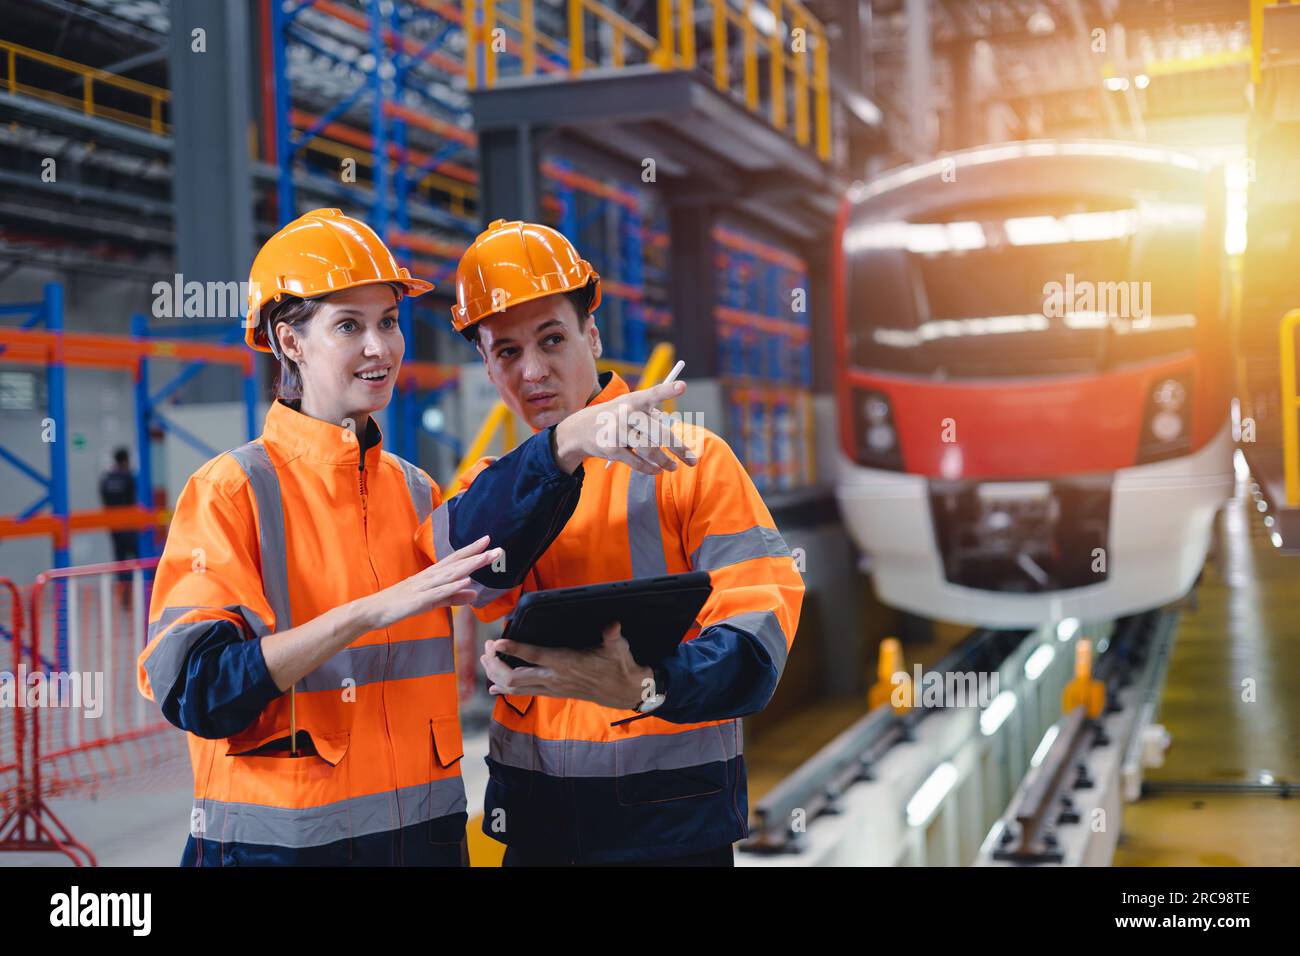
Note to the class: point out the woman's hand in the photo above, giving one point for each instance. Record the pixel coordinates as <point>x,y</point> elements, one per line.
<point>630,428</point>
<point>293,654</point>
<point>440,585</point>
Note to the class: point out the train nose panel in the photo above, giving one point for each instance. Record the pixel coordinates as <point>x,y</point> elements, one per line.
<point>1022,537</point>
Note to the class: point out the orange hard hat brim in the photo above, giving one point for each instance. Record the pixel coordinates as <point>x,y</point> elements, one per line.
<point>253,324</point>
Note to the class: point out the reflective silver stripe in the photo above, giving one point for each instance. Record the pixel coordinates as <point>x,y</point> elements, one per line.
<point>442,547</point>
<point>645,540</point>
<point>270,520</point>
<point>719,550</point>
<point>165,664</point>
<point>316,826</point>
<point>371,663</point>
<point>419,487</point>
<point>613,758</point>
<point>766,629</point>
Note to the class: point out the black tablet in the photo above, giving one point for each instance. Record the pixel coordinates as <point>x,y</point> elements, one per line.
<point>654,613</point>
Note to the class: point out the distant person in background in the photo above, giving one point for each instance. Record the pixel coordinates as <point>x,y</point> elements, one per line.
<point>117,490</point>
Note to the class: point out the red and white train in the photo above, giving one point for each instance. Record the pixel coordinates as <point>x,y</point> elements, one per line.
<point>1033,377</point>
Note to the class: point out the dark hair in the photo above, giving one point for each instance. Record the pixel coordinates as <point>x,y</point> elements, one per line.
<point>121,456</point>
<point>297,313</point>
<point>580,299</point>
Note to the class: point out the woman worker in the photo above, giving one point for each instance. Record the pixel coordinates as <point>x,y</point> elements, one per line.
<point>299,629</point>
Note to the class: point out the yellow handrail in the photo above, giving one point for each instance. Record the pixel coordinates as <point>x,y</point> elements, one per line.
<point>1257,34</point>
<point>89,77</point>
<point>1290,405</point>
<point>501,419</point>
<point>797,63</point>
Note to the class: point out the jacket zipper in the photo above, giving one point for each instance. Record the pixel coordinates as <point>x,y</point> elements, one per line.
<point>383,698</point>
<point>361,482</point>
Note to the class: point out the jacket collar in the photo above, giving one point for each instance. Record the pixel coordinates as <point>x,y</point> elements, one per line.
<point>611,387</point>
<point>301,436</point>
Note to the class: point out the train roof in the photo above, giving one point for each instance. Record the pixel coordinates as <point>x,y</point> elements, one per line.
<point>1043,167</point>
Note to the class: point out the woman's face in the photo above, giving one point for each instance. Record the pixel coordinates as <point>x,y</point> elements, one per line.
<point>348,354</point>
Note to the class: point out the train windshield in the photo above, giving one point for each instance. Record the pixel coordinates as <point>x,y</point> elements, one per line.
<point>1041,290</point>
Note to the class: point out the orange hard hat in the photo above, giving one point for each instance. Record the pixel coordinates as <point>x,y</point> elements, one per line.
<point>510,263</point>
<point>321,251</point>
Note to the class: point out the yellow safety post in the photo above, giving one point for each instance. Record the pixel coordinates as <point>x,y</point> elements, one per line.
<point>13,70</point>
<point>577,57</point>
<point>801,85</point>
<point>776,55</point>
<point>489,44</point>
<point>663,54</point>
<point>893,686</point>
<point>1256,38</point>
<point>469,22</point>
<point>1290,401</point>
<point>720,65</point>
<point>657,367</point>
<point>1084,691</point>
<point>750,58</point>
<point>87,95</point>
<point>529,30</point>
<point>487,431</point>
<point>687,27</point>
<point>821,82</point>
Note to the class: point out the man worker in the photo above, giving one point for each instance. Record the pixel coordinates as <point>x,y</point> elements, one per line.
<point>117,490</point>
<point>593,758</point>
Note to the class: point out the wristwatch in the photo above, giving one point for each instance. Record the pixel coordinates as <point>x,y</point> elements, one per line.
<point>655,700</point>
<point>650,703</point>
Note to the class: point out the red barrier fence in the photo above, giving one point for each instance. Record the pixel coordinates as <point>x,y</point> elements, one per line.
<point>89,728</point>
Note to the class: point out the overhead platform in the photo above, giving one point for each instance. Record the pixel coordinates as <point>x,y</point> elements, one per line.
<point>706,146</point>
<point>713,159</point>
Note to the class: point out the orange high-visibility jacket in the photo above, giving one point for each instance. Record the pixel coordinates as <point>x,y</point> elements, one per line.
<point>269,536</point>
<point>569,783</point>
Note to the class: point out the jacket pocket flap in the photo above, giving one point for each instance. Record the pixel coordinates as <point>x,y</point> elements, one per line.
<point>447,744</point>
<point>329,747</point>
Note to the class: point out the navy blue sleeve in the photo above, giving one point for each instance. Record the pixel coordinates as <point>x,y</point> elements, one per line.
<point>522,500</point>
<point>722,673</point>
<point>225,684</point>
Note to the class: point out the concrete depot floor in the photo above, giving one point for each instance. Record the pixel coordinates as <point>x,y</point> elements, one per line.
<point>148,828</point>
<point>1243,635</point>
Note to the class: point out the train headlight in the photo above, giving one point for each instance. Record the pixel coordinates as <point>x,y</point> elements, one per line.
<point>1166,425</point>
<point>876,409</point>
<point>876,435</point>
<point>1169,395</point>
<point>881,439</point>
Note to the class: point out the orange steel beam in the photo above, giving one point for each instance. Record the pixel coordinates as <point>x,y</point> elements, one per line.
<point>355,137</point>
<point>127,518</point>
<point>361,22</point>
<point>427,375</point>
<point>432,124</point>
<point>763,323</point>
<point>112,351</point>
<point>735,240</point>
<point>433,247</point>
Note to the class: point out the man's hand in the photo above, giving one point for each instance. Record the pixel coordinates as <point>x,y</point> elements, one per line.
<point>607,675</point>
<point>631,429</point>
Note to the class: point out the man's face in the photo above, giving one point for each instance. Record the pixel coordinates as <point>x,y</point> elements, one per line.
<point>541,359</point>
